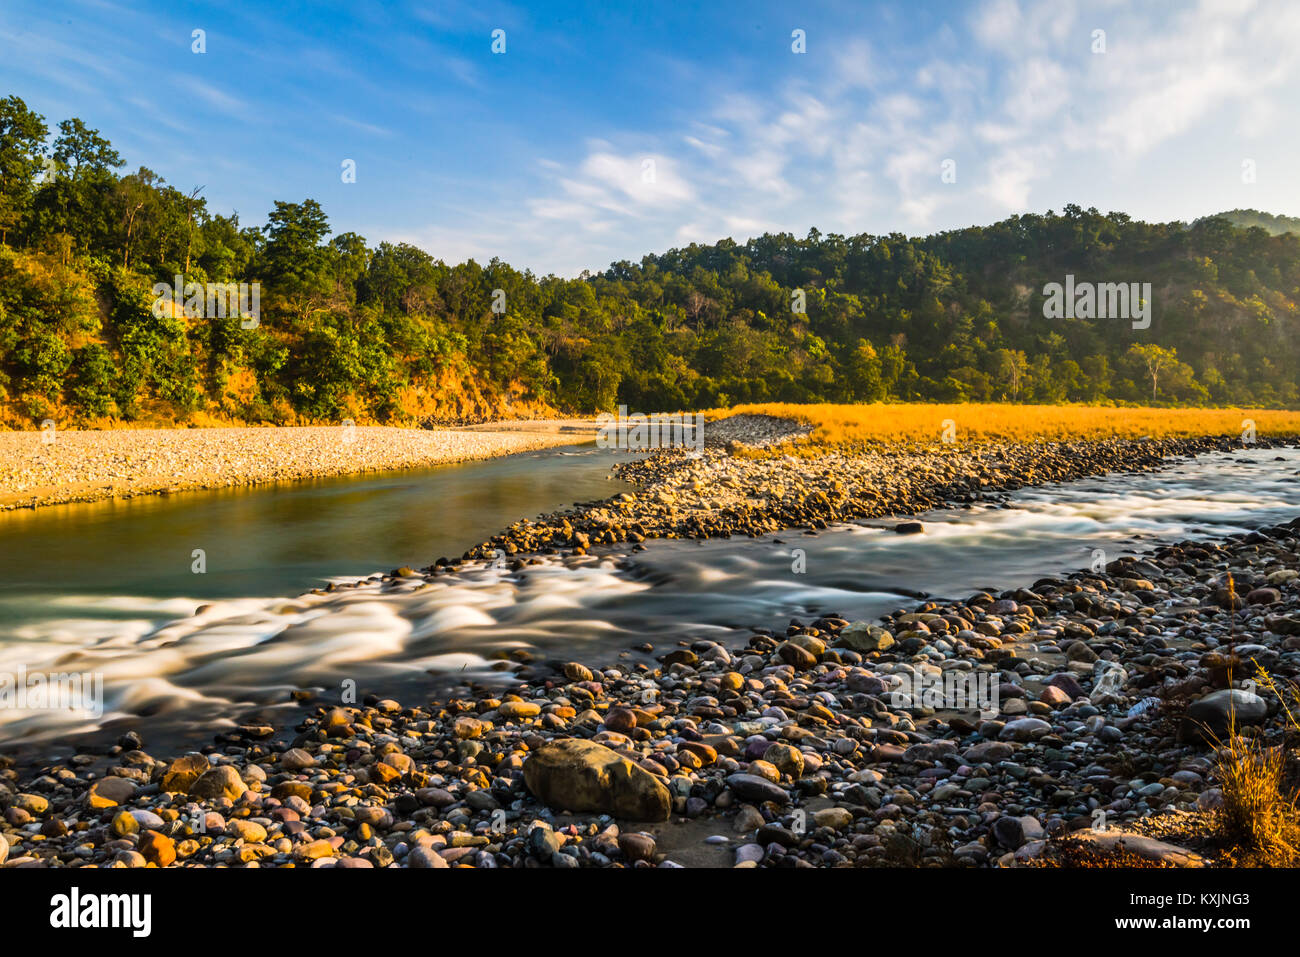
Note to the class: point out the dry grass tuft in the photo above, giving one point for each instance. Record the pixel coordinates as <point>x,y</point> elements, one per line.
<point>1258,823</point>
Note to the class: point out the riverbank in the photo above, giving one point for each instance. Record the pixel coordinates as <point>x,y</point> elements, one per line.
<point>37,470</point>
<point>722,492</point>
<point>824,745</point>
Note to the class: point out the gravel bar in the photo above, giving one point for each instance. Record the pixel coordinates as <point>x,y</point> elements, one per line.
<point>83,466</point>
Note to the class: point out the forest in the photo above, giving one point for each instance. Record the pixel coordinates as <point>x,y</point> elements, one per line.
<point>390,333</point>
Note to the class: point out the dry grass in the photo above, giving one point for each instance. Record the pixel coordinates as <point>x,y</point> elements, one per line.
<point>1258,822</point>
<point>923,424</point>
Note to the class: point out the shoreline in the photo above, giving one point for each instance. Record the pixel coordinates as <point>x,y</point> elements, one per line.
<point>717,494</point>
<point>794,747</point>
<point>90,466</point>
<point>736,740</point>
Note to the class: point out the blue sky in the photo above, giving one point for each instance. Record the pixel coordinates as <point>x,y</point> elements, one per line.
<point>606,131</point>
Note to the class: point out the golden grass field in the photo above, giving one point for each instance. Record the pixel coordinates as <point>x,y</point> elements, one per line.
<point>923,424</point>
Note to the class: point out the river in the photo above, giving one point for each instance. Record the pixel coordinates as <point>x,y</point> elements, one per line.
<point>109,589</point>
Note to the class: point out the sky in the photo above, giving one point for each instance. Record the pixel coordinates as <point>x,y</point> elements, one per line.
<point>606,131</point>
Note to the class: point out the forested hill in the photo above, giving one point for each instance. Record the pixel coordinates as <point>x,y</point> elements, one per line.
<point>391,334</point>
<point>1273,225</point>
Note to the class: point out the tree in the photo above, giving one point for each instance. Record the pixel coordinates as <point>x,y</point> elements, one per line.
<point>295,264</point>
<point>1011,367</point>
<point>864,373</point>
<point>1153,359</point>
<point>83,149</point>
<point>22,135</point>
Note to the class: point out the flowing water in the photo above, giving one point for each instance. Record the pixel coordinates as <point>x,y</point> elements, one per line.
<point>94,596</point>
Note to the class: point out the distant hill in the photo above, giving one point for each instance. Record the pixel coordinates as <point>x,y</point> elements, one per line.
<point>1273,225</point>
<point>1206,313</point>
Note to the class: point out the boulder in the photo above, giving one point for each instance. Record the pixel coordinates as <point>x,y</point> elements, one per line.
<point>577,775</point>
<point>221,781</point>
<point>183,772</point>
<point>864,636</point>
<point>1214,712</point>
<point>110,792</point>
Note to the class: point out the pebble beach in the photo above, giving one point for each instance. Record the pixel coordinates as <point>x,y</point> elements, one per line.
<point>39,469</point>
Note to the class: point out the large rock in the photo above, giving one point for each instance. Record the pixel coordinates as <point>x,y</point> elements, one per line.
<point>110,792</point>
<point>157,848</point>
<point>221,781</point>
<point>1215,712</point>
<point>577,775</point>
<point>750,787</point>
<point>864,636</point>
<point>183,772</point>
<point>1023,729</point>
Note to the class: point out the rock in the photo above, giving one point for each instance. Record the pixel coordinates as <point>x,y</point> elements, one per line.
<point>1023,729</point>
<point>125,824</point>
<point>1009,832</point>
<point>288,789</point>
<point>337,723</point>
<point>621,720</point>
<point>575,671</point>
<point>800,658</point>
<point>518,710</point>
<point>248,831</point>
<point>750,787</point>
<point>1067,683</point>
<point>4,849</point>
<point>1209,799</point>
<point>467,728</point>
<point>576,775</point>
<point>183,772</point>
<point>296,759</point>
<point>786,759</point>
<point>706,754</point>
<point>747,819</point>
<point>1263,596</point>
<point>749,854</point>
<point>157,849</point>
<point>1079,651</point>
<point>637,846</point>
<point>864,636</point>
<point>221,781</point>
<point>381,817</point>
<point>1054,697</point>
<point>909,528</point>
<point>31,804</point>
<point>1216,710</point>
<point>836,818</point>
<point>110,792</point>
<point>426,858</point>
<point>314,850</point>
<point>147,819</point>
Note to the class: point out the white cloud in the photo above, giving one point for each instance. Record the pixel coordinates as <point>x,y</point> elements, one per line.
<point>1013,93</point>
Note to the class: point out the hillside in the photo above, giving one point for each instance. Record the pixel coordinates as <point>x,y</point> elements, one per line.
<point>1271,224</point>
<point>337,329</point>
